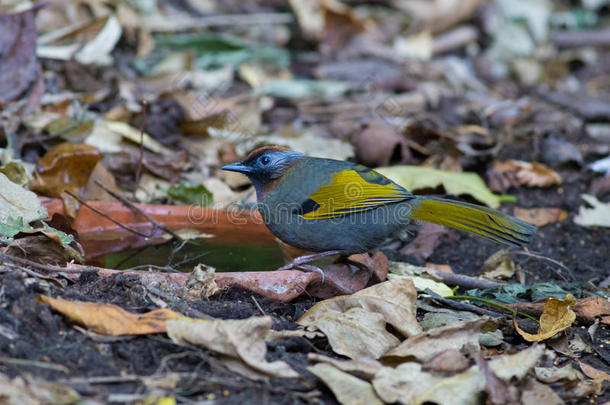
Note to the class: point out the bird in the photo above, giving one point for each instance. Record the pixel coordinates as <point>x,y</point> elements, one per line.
<point>329,207</point>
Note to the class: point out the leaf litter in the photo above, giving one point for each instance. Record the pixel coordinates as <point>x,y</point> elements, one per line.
<point>165,94</point>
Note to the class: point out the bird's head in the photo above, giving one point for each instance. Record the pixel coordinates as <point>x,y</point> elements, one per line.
<point>265,164</point>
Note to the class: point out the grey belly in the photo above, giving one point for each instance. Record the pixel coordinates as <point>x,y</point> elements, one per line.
<point>354,233</point>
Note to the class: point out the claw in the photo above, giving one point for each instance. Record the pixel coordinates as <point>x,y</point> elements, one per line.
<point>310,267</point>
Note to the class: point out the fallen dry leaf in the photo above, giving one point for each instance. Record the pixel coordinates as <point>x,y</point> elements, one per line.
<point>19,68</point>
<point>362,368</point>
<point>516,366</point>
<point>426,345</point>
<point>25,389</point>
<point>587,309</point>
<point>598,215</point>
<point>518,172</point>
<point>540,216</point>
<point>429,236</point>
<point>241,341</point>
<point>556,316</point>
<point>348,390</point>
<point>404,383</point>
<point>108,319</point>
<point>499,266</point>
<point>593,373</point>
<point>67,166</point>
<point>535,393</point>
<point>380,145</point>
<point>356,325</point>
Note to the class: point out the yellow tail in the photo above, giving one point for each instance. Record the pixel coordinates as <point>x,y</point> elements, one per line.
<point>486,222</point>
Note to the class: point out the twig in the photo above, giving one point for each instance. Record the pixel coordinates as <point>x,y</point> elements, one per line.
<point>463,305</point>
<point>33,363</point>
<point>83,202</point>
<point>570,39</point>
<point>492,303</point>
<point>548,259</point>
<point>258,305</point>
<point>139,211</point>
<point>141,158</point>
<point>45,267</point>
<point>462,280</point>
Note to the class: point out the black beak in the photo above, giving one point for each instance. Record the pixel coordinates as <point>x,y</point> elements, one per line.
<point>237,167</point>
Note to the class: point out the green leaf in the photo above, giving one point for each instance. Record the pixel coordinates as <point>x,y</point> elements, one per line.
<point>416,178</point>
<point>11,226</point>
<point>188,193</point>
<point>215,51</point>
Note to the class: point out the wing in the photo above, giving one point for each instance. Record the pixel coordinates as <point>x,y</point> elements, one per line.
<point>352,190</point>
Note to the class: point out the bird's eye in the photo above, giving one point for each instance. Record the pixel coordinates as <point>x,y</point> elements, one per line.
<point>265,160</point>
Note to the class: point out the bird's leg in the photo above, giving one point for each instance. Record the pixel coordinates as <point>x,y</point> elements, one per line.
<point>309,258</point>
<point>300,262</point>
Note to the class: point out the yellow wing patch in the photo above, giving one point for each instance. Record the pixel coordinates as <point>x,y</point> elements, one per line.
<point>352,191</point>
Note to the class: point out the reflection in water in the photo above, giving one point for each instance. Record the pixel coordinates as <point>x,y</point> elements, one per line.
<point>224,257</point>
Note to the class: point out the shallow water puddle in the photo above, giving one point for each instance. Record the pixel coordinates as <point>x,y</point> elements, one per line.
<point>222,256</point>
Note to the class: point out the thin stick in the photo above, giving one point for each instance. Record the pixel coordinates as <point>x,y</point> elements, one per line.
<point>33,363</point>
<point>492,303</point>
<point>45,267</point>
<point>83,202</point>
<point>141,158</point>
<point>548,259</point>
<point>139,211</point>
<point>462,305</point>
<point>258,305</point>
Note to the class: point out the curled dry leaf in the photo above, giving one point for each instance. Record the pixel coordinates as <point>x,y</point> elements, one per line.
<point>426,345</point>
<point>557,316</point>
<point>586,309</point>
<point>347,389</point>
<point>201,284</point>
<point>540,216</point>
<point>531,174</point>
<point>241,341</point>
<point>68,166</point>
<point>356,325</point>
<point>108,319</point>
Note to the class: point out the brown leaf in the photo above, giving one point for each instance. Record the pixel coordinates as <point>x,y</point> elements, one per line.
<point>540,216</point>
<point>68,166</point>
<point>356,325</point>
<point>241,340</point>
<point>380,145</point>
<point>593,373</point>
<point>46,248</point>
<point>531,174</point>
<point>109,319</point>
<point>427,240</point>
<point>557,316</point>
<point>19,68</point>
<point>586,309</point>
<point>428,344</point>
<point>347,389</point>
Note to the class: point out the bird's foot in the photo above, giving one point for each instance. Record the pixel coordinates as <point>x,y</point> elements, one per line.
<point>308,258</point>
<point>311,267</point>
<point>300,263</point>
